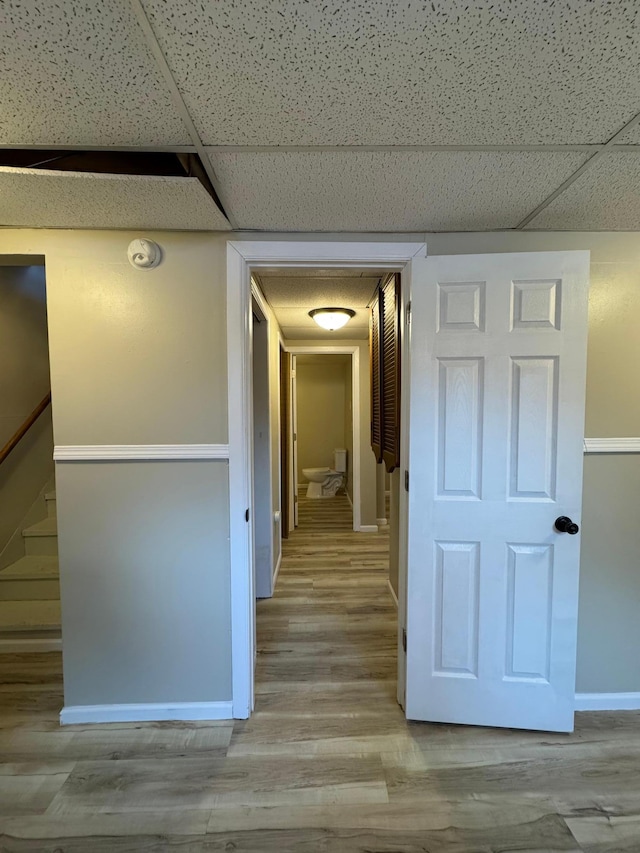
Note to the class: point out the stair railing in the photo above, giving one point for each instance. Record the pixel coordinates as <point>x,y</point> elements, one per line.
<point>24,429</point>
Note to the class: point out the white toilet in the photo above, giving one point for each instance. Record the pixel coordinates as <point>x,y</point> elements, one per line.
<point>325,482</point>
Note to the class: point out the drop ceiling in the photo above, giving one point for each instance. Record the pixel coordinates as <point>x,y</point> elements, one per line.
<point>370,115</point>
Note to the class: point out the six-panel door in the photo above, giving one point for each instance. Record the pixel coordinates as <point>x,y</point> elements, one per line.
<point>498,355</point>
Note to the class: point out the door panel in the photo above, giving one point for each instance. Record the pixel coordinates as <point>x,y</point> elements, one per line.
<point>498,354</point>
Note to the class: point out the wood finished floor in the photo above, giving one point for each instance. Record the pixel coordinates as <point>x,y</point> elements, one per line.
<point>327,763</point>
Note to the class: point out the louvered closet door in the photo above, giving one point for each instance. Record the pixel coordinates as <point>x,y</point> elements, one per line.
<point>390,347</point>
<point>376,380</point>
<point>498,364</point>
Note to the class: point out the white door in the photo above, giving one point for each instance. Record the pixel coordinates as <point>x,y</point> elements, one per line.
<point>294,435</point>
<point>498,363</point>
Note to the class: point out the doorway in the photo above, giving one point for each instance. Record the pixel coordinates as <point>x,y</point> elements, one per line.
<point>242,258</point>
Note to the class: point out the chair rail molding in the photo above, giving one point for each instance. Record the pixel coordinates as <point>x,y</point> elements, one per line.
<point>133,452</point>
<point>612,445</point>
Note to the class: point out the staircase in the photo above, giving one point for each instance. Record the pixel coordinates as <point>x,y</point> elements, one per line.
<point>29,588</point>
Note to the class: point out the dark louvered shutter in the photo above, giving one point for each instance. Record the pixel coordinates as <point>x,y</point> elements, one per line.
<point>390,387</point>
<point>376,380</point>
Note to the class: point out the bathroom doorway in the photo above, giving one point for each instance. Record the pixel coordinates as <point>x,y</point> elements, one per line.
<point>326,440</point>
<point>324,434</point>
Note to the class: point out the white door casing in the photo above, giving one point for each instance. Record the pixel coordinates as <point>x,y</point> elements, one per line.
<point>294,438</point>
<point>242,255</point>
<point>498,367</point>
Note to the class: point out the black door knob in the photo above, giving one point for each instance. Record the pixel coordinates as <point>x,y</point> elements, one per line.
<point>563,524</point>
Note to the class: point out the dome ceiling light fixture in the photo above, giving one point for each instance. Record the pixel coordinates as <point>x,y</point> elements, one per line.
<point>332,318</point>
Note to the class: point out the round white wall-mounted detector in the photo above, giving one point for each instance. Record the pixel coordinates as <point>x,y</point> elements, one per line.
<point>144,254</point>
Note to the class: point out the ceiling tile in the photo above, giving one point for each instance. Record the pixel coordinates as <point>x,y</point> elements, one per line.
<point>255,72</point>
<point>81,74</point>
<point>315,292</point>
<point>630,137</point>
<point>605,197</point>
<point>35,198</point>
<point>388,191</point>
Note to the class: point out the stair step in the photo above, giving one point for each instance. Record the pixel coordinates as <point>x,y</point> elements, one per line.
<point>41,539</point>
<point>50,499</point>
<point>32,616</point>
<point>30,578</point>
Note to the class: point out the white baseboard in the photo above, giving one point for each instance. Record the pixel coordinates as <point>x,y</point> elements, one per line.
<point>607,702</point>
<point>382,522</point>
<point>39,644</point>
<point>393,594</point>
<point>145,713</point>
<point>368,528</point>
<point>276,571</point>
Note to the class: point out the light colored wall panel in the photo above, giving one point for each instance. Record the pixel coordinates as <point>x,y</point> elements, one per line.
<point>24,381</point>
<point>137,357</point>
<point>608,623</point>
<point>322,411</point>
<point>348,424</point>
<point>144,576</point>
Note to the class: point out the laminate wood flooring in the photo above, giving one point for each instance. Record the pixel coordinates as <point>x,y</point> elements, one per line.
<point>327,763</point>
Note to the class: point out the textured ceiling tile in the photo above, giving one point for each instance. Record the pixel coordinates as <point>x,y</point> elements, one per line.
<point>606,197</point>
<point>314,292</point>
<point>34,198</point>
<point>630,137</point>
<point>79,73</point>
<point>378,72</point>
<point>388,191</point>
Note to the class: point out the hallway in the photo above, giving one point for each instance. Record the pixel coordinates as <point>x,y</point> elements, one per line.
<point>327,763</point>
<point>328,635</point>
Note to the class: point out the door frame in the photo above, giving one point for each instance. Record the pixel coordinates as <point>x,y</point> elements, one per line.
<point>242,256</point>
<point>354,352</point>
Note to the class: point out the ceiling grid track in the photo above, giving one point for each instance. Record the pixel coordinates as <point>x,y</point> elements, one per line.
<point>179,102</point>
<point>605,149</point>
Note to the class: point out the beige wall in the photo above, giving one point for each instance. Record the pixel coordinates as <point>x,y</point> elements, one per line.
<point>322,410</point>
<point>24,381</point>
<point>608,624</point>
<point>348,425</point>
<point>274,340</point>
<point>139,357</point>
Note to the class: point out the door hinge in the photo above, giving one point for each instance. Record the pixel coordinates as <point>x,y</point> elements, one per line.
<point>246,515</point>
<point>406,481</point>
<point>295,436</point>
<point>408,313</point>
<point>404,640</point>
